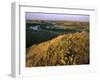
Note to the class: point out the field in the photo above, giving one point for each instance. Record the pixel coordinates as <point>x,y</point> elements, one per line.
<point>53,43</point>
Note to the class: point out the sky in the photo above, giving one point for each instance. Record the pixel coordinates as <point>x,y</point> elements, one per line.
<point>63,17</point>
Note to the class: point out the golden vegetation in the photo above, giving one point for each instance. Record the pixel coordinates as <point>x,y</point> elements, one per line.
<point>67,49</point>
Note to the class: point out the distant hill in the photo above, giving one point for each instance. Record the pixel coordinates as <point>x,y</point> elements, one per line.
<point>62,23</point>
<point>66,49</point>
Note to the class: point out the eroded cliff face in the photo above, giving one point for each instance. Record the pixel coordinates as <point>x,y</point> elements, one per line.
<point>67,49</point>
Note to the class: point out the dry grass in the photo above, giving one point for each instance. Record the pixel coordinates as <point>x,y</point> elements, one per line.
<point>67,49</point>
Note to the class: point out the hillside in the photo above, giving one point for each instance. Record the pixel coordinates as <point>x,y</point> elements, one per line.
<point>38,31</point>
<point>66,49</point>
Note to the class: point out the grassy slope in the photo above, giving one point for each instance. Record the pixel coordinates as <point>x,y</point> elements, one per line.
<point>68,49</point>
<point>35,37</point>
